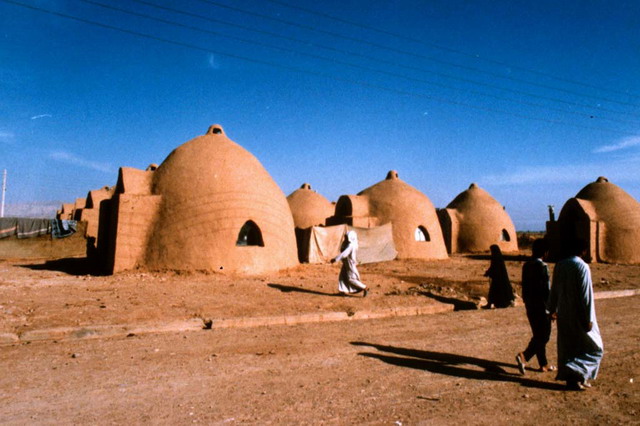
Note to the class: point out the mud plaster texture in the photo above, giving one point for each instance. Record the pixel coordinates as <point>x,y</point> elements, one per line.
<point>308,207</point>
<point>188,213</point>
<point>474,221</point>
<point>606,217</point>
<point>449,368</point>
<point>393,200</point>
<point>91,211</point>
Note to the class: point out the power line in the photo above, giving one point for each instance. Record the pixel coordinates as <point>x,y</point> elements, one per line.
<point>408,53</point>
<point>360,55</point>
<point>448,49</point>
<point>350,64</point>
<point>299,70</point>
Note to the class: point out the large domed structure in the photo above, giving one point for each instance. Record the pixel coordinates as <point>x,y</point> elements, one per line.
<point>606,217</point>
<point>474,221</point>
<point>416,231</point>
<point>210,205</point>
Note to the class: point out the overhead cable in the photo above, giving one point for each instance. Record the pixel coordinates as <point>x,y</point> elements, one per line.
<point>409,53</point>
<point>303,71</point>
<point>354,65</point>
<point>448,49</point>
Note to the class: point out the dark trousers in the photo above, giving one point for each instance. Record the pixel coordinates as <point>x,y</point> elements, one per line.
<point>541,328</point>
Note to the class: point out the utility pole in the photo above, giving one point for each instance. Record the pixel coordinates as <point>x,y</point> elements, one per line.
<point>4,189</point>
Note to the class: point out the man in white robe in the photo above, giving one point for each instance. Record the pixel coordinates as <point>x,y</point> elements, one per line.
<point>349,278</point>
<point>580,348</point>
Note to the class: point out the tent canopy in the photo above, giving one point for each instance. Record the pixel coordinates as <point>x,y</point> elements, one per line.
<point>322,243</point>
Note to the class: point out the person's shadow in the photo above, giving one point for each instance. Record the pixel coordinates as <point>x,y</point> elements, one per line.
<point>453,365</point>
<point>289,288</point>
<point>71,266</point>
<point>506,257</point>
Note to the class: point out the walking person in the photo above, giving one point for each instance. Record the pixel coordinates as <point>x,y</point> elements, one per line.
<point>535,293</point>
<point>349,278</point>
<point>500,290</point>
<point>580,347</point>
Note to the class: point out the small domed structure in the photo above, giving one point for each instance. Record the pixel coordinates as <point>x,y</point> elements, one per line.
<point>416,231</point>
<point>604,216</point>
<point>308,207</point>
<point>210,206</point>
<point>474,221</point>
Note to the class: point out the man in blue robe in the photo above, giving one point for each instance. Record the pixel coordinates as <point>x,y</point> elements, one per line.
<point>571,302</point>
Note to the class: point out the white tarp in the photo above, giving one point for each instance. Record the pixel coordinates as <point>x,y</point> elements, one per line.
<point>322,243</point>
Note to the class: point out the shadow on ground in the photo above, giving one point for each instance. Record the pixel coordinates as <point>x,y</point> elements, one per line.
<point>506,257</point>
<point>453,365</point>
<point>462,295</point>
<point>70,265</point>
<point>458,304</point>
<point>289,288</point>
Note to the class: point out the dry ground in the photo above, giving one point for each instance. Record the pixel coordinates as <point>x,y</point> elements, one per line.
<point>448,368</point>
<point>48,294</point>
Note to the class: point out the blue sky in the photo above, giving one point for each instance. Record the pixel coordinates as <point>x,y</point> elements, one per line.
<point>531,100</point>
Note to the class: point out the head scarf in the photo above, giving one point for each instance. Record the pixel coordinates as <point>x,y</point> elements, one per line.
<point>352,237</point>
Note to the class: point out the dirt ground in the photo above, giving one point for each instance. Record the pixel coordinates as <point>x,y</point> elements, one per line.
<point>48,294</point>
<point>455,367</point>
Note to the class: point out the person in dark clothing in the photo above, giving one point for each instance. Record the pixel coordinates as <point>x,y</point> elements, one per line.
<point>500,290</point>
<point>535,292</point>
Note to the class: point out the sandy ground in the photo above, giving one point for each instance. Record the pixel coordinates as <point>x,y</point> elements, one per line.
<point>455,367</point>
<point>47,294</point>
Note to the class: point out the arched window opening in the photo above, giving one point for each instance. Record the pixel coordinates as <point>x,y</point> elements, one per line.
<point>421,234</point>
<point>250,235</point>
<point>504,236</point>
<point>344,208</point>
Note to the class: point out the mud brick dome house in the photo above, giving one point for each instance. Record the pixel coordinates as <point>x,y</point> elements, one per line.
<point>309,208</point>
<point>210,205</point>
<point>606,217</point>
<point>474,221</point>
<point>416,231</point>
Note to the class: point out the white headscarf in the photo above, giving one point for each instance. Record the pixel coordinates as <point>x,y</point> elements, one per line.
<point>352,237</point>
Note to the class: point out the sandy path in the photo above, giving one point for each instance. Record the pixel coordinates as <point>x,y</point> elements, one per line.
<point>438,369</point>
